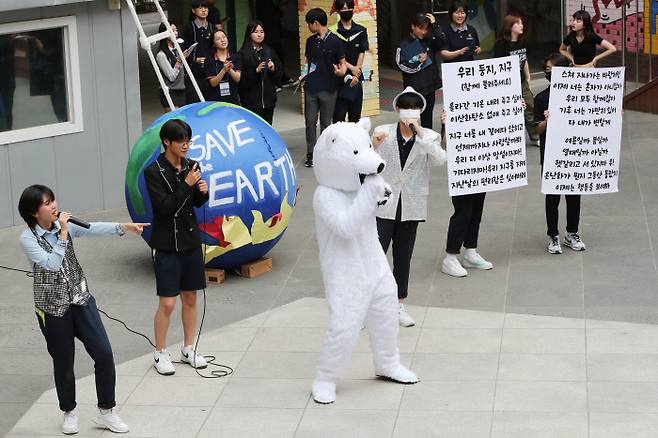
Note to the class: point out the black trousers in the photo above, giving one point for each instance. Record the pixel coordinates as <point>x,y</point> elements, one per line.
<point>426,116</point>
<point>350,108</point>
<point>266,113</point>
<point>84,323</point>
<point>552,213</point>
<point>403,235</point>
<point>465,222</point>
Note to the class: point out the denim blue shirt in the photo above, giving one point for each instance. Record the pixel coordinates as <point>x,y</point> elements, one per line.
<point>53,261</point>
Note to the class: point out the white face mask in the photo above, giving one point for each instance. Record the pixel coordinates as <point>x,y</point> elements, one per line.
<point>409,114</point>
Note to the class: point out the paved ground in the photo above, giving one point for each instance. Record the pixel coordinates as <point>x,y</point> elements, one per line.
<point>523,350</point>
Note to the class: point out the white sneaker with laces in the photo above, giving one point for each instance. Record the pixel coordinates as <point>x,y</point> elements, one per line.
<point>405,319</point>
<point>109,419</point>
<point>452,267</point>
<point>70,423</point>
<point>162,363</point>
<point>476,261</point>
<point>554,245</point>
<point>572,240</point>
<point>194,359</point>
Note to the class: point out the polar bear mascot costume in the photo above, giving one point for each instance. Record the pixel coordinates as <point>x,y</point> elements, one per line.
<point>358,281</point>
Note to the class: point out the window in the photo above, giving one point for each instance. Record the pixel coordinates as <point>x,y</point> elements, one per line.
<point>39,80</point>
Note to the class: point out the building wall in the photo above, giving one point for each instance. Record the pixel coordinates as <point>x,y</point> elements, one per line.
<point>85,169</point>
<point>607,19</point>
<point>366,15</point>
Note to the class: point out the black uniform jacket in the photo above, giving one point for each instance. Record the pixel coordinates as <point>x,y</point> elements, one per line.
<point>174,226</point>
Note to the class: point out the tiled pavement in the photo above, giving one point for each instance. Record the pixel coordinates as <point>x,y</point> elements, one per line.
<point>484,374</point>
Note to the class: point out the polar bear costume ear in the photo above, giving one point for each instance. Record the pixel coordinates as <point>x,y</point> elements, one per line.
<point>364,123</point>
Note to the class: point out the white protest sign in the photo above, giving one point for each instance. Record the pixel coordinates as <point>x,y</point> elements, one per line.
<point>583,135</point>
<point>484,125</point>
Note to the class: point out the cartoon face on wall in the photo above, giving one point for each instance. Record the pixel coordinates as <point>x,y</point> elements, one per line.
<point>250,175</point>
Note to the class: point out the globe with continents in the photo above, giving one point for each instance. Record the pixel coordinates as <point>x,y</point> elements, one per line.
<point>250,175</point>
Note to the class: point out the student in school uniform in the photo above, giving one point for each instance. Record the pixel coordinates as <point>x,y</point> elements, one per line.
<point>354,37</point>
<point>325,59</point>
<point>571,238</point>
<point>424,78</point>
<point>198,31</point>
<point>223,71</point>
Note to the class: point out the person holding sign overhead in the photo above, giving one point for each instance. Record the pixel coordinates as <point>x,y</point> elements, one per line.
<point>579,46</point>
<point>416,58</point>
<point>571,238</point>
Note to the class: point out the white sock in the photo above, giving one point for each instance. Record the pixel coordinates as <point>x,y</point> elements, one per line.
<point>451,257</point>
<point>105,411</point>
<point>470,253</point>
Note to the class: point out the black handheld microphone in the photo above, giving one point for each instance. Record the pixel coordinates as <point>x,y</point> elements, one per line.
<point>78,222</point>
<point>413,129</point>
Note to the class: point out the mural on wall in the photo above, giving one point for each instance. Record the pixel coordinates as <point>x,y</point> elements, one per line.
<point>607,19</point>
<point>365,13</point>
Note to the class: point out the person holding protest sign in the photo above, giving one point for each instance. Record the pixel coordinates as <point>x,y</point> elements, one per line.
<point>579,46</point>
<point>571,238</point>
<point>409,150</point>
<point>511,42</point>
<point>416,58</point>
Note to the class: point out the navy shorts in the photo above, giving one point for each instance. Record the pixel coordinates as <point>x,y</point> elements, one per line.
<point>177,271</point>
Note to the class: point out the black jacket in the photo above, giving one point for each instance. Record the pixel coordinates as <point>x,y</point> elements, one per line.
<point>174,226</point>
<point>258,90</point>
<point>426,80</point>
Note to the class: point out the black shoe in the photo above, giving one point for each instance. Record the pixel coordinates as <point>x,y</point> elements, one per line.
<point>309,161</point>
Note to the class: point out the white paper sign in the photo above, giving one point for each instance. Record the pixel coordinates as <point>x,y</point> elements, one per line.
<point>484,125</point>
<point>583,135</point>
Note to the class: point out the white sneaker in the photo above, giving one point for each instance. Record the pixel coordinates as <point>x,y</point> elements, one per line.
<point>162,363</point>
<point>451,266</point>
<point>109,419</point>
<point>476,261</point>
<point>401,374</point>
<point>554,245</point>
<point>405,319</point>
<point>194,359</point>
<point>324,393</point>
<point>70,423</point>
<point>572,240</point>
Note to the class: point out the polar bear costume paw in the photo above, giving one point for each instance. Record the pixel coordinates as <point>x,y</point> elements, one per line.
<point>324,393</point>
<point>401,374</point>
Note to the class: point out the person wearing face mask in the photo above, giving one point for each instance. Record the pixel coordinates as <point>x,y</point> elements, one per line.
<point>552,202</point>
<point>222,71</point>
<point>354,37</point>
<point>408,149</point>
<point>421,71</point>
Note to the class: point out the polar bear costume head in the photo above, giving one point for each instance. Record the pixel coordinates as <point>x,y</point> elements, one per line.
<point>343,154</point>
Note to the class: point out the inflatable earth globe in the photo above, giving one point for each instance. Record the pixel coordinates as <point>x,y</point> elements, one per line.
<point>250,175</point>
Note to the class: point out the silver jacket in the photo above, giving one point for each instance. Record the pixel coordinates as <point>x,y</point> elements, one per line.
<point>412,182</point>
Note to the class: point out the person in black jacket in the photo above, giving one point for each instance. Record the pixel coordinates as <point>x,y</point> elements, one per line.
<point>421,71</point>
<point>175,187</point>
<point>261,72</point>
<point>199,31</point>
